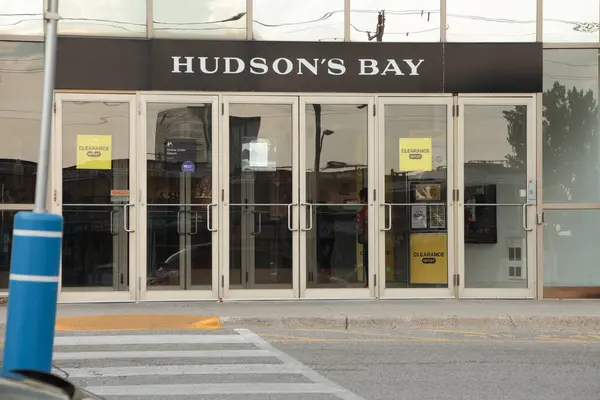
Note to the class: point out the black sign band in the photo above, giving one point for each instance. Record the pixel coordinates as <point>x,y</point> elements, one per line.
<point>252,66</point>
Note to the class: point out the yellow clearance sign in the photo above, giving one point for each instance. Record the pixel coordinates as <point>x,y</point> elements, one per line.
<point>415,154</point>
<point>94,151</point>
<point>428,258</point>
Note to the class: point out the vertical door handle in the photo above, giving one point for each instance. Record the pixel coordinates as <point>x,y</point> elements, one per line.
<point>126,218</point>
<point>208,220</point>
<point>112,219</point>
<point>310,218</point>
<point>257,232</point>
<point>525,219</point>
<point>290,225</point>
<point>179,231</point>
<point>387,227</point>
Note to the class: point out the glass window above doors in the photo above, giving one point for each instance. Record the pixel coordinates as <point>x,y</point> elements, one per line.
<point>199,19</point>
<point>395,21</point>
<point>23,17</point>
<point>491,21</point>
<point>124,18</point>
<point>308,20</point>
<point>571,21</point>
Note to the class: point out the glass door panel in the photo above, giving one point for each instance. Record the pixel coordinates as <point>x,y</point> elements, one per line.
<point>497,213</point>
<point>335,146</point>
<point>181,251</point>
<point>415,210</point>
<point>261,236</point>
<point>93,145</point>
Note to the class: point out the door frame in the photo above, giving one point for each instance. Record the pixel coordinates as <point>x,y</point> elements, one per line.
<point>229,293</point>
<point>176,294</point>
<point>530,211</point>
<point>307,293</point>
<point>382,208</point>
<point>89,295</point>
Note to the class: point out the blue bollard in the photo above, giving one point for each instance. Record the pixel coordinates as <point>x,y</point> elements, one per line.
<point>33,291</point>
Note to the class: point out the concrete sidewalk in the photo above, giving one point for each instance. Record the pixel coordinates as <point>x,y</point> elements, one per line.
<point>582,315</point>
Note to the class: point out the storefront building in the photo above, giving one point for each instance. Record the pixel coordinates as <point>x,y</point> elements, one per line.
<point>348,149</point>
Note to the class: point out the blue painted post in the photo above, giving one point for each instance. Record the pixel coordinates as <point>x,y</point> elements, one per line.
<point>33,291</point>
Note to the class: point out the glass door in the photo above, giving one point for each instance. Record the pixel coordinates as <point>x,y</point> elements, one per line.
<point>260,209</point>
<point>336,197</point>
<point>178,135</point>
<point>415,208</point>
<point>94,190</point>
<point>496,171</point>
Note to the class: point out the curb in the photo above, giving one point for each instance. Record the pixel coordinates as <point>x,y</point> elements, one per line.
<point>501,322</point>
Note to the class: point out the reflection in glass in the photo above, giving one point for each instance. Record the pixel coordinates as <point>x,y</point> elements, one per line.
<point>418,197</point>
<point>6,237</point>
<point>179,170</point>
<point>492,21</point>
<point>21,80</point>
<point>404,21</point>
<point>95,243</point>
<point>336,186</point>
<point>23,17</point>
<point>308,20</point>
<point>95,249</point>
<point>202,19</point>
<point>570,251</point>
<point>103,18</point>
<point>571,21</point>
<point>570,132</point>
<point>260,182</point>
<point>495,175</point>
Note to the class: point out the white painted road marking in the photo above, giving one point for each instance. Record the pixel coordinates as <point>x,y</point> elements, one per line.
<point>176,370</point>
<point>146,339</point>
<point>102,355</point>
<point>212,388</point>
<point>287,365</point>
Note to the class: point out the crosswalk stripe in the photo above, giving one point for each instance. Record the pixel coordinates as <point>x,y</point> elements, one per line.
<point>103,355</point>
<point>212,389</point>
<point>150,368</point>
<point>146,339</point>
<point>175,370</point>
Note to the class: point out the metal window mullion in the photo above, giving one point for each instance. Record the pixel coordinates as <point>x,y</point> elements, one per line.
<point>249,19</point>
<point>149,19</point>
<point>539,21</point>
<point>347,21</point>
<point>443,19</point>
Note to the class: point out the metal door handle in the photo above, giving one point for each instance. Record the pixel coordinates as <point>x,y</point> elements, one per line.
<point>289,207</point>
<point>179,231</point>
<point>112,219</point>
<point>310,218</point>
<point>259,223</point>
<point>525,219</point>
<point>126,218</point>
<point>389,208</point>
<point>208,214</point>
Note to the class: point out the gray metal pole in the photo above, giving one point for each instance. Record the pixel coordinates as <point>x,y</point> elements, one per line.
<point>41,184</point>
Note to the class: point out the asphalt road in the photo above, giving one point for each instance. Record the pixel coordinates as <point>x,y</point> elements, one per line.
<point>334,364</point>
